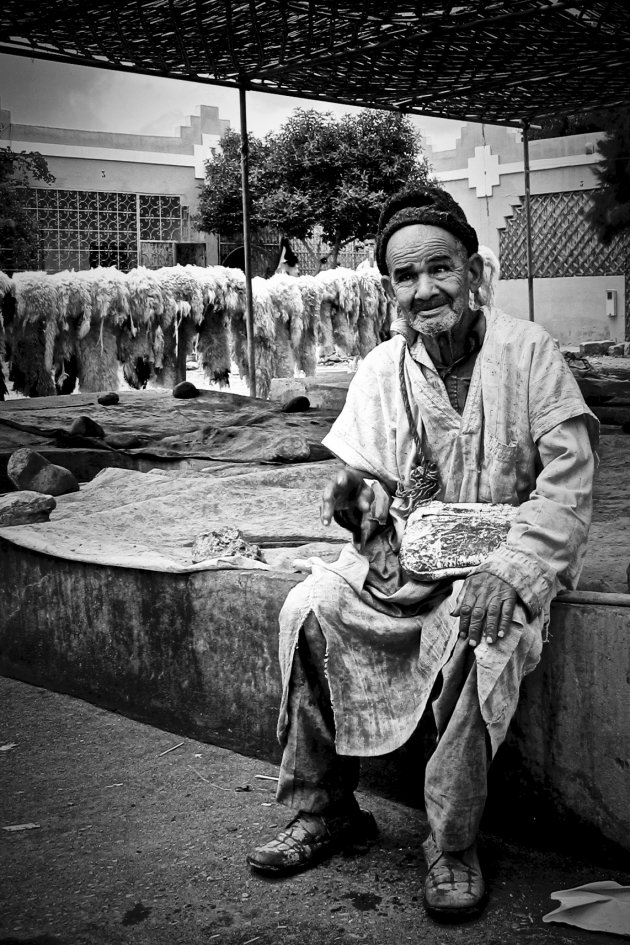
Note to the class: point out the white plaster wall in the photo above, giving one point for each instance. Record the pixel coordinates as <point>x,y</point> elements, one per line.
<point>571,309</point>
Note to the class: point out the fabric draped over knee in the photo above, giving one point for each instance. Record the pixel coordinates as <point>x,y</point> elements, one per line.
<point>384,654</point>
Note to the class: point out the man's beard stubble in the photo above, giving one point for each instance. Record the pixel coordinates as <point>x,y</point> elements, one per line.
<point>437,324</point>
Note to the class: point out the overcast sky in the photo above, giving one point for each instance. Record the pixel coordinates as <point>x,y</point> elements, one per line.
<point>38,92</point>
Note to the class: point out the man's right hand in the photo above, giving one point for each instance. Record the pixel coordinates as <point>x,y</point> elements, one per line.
<point>349,491</point>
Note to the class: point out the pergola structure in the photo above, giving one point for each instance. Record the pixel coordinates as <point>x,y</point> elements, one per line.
<point>506,62</point>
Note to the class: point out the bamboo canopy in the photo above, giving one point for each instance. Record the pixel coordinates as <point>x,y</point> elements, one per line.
<point>495,61</point>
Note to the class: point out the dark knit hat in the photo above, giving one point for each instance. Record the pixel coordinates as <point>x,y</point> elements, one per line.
<point>428,205</point>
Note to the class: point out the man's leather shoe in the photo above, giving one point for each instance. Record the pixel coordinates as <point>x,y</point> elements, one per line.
<point>454,888</point>
<point>310,838</point>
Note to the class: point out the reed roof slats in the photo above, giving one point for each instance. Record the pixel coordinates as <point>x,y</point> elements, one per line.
<point>499,61</point>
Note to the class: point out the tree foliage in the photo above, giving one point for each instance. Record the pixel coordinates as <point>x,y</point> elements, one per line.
<point>220,201</point>
<point>19,240</point>
<point>610,208</point>
<point>316,171</point>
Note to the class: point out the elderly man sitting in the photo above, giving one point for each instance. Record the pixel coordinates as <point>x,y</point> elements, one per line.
<point>467,405</point>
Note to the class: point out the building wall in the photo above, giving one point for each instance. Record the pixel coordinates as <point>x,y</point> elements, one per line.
<point>484,173</point>
<point>105,162</point>
<point>556,308</point>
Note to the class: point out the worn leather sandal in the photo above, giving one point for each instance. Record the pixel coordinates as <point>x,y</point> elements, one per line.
<point>310,838</point>
<point>454,889</point>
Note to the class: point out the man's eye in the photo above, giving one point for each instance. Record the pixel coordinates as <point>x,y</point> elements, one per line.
<point>402,280</point>
<point>439,270</point>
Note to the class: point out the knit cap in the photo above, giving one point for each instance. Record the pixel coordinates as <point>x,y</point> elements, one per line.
<point>431,206</point>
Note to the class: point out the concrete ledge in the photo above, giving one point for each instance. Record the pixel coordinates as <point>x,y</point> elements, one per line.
<point>572,727</point>
<point>197,654</point>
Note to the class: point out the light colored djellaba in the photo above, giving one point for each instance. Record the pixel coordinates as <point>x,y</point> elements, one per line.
<point>466,405</point>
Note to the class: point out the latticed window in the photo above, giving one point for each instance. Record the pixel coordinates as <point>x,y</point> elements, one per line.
<point>81,229</point>
<point>563,241</point>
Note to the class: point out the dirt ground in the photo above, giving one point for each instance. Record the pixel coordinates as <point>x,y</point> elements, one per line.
<point>141,838</point>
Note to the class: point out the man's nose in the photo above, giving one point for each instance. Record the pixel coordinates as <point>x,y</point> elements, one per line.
<point>425,287</point>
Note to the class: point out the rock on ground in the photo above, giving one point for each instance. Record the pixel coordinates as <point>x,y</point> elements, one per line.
<point>29,470</point>
<point>22,508</point>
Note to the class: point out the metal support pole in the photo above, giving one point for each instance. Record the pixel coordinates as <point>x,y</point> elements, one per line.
<point>528,222</point>
<point>247,250</point>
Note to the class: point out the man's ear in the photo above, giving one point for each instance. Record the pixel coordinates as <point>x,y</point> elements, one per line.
<point>475,270</point>
<point>386,282</point>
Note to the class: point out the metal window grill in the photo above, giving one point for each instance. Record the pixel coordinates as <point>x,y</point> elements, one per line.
<point>81,229</point>
<point>309,252</point>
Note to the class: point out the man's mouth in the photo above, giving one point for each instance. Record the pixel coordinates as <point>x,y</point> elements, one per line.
<point>432,311</point>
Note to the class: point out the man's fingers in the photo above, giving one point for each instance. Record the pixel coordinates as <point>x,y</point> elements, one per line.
<point>471,612</point>
<point>328,503</point>
<point>500,613</point>
<point>493,618</point>
<point>365,498</point>
<point>345,491</point>
<point>477,622</point>
<point>507,613</point>
<point>331,494</point>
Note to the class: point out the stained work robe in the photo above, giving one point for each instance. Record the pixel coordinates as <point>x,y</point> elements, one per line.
<point>526,438</point>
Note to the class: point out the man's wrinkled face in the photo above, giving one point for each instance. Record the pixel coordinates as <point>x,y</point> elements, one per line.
<point>430,276</point>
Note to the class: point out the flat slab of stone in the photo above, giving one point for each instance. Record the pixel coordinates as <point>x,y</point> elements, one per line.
<point>328,391</point>
<point>595,347</point>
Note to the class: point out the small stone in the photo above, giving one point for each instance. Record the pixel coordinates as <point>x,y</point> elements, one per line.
<point>85,426</point>
<point>23,465</point>
<point>109,399</point>
<point>54,480</point>
<point>29,470</point>
<point>25,507</point>
<point>292,448</point>
<point>297,404</point>
<point>221,542</point>
<point>185,390</point>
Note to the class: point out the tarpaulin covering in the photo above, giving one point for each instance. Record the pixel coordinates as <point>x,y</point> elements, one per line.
<point>129,519</point>
<point>215,426</point>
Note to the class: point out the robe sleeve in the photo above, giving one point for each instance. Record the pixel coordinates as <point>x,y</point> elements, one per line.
<point>554,394</point>
<point>546,544</point>
<point>364,434</point>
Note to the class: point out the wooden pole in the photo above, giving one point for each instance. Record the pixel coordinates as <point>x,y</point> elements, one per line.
<point>528,222</point>
<point>247,250</point>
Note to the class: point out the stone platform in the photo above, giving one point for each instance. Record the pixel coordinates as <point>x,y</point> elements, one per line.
<point>196,652</point>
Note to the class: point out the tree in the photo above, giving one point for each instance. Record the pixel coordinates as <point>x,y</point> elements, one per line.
<point>317,172</point>
<point>220,202</point>
<point>19,241</point>
<point>610,208</point>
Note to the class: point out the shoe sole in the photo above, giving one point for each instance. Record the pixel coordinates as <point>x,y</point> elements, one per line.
<point>451,916</point>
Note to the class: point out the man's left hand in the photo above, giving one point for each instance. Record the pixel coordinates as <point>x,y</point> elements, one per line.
<point>485,607</point>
